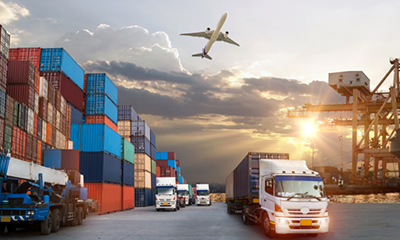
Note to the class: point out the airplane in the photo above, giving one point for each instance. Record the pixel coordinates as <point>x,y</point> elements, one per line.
<point>213,35</point>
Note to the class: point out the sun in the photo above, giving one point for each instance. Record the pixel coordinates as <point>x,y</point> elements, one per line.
<point>309,128</point>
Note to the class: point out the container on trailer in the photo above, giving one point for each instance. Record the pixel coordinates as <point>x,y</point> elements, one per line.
<point>57,59</point>
<point>108,195</point>
<point>142,144</point>
<point>127,112</point>
<point>100,167</point>
<point>101,83</point>
<point>128,197</point>
<point>68,89</point>
<point>100,104</point>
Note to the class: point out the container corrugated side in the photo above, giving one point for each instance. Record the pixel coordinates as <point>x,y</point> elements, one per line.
<point>142,162</point>
<point>162,155</point>
<point>142,144</point>
<point>128,197</point>
<point>101,119</point>
<point>100,167</point>
<point>127,112</point>
<point>4,42</point>
<point>108,195</point>
<point>128,173</point>
<point>26,54</point>
<point>101,83</point>
<point>171,156</point>
<point>142,179</point>
<point>153,167</point>
<point>140,128</point>
<point>76,115</point>
<point>3,70</point>
<point>124,128</point>
<point>52,158</point>
<point>229,187</point>
<point>127,151</point>
<point>172,163</point>
<point>100,104</point>
<point>57,59</point>
<point>246,174</point>
<point>99,137</point>
<point>153,138</point>
<point>143,197</point>
<point>3,102</point>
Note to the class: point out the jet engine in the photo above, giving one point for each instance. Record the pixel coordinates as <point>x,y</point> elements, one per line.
<point>208,30</point>
<point>226,34</point>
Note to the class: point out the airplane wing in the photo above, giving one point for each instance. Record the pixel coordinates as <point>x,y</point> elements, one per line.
<point>197,34</point>
<point>221,37</point>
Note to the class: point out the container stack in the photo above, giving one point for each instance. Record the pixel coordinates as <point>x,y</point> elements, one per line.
<point>4,48</point>
<point>135,130</point>
<point>169,166</point>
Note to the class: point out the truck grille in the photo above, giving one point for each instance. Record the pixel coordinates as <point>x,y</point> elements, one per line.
<point>298,212</point>
<point>12,212</point>
<point>304,227</point>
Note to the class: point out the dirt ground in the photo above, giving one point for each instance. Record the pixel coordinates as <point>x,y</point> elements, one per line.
<point>217,197</point>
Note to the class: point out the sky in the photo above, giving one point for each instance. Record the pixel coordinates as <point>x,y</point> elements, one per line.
<point>212,113</point>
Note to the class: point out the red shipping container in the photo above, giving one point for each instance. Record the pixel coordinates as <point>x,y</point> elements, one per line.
<point>34,148</point>
<point>28,146</point>
<point>171,156</point>
<point>26,54</point>
<point>128,197</point>
<point>14,151</point>
<point>23,143</point>
<point>51,94</point>
<point>108,195</point>
<point>185,181</point>
<point>39,152</point>
<point>10,111</point>
<point>158,172</point>
<point>70,159</point>
<point>49,134</point>
<point>68,89</point>
<point>35,123</point>
<point>23,93</point>
<point>2,122</point>
<point>101,119</point>
<point>178,163</point>
<point>22,72</point>
<point>162,163</point>
<point>43,108</point>
<point>3,70</point>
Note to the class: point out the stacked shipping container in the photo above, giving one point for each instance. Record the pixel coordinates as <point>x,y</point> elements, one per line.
<point>132,128</point>
<point>169,166</point>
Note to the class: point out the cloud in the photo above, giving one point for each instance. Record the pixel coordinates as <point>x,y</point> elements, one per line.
<point>132,44</point>
<point>10,12</point>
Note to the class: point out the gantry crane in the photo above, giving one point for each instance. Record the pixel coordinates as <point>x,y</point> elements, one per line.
<point>375,112</point>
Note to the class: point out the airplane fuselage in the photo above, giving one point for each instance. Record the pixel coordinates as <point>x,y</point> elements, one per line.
<point>215,34</point>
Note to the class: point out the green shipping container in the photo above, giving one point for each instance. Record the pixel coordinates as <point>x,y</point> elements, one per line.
<point>127,151</point>
<point>8,131</point>
<point>153,167</point>
<point>16,112</point>
<point>190,191</point>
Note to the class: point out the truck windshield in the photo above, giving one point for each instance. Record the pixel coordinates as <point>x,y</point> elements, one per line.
<point>299,187</point>
<point>202,193</point>
<point>165,190</point>
<point>182,193</point>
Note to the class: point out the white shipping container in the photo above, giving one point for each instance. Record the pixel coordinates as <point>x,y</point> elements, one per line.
<point>140,128</point>
<point>29,126</point>
<point>63,109</point>
<point>44,131</point>
<point>44,87</point>
<point>36,103</point>
<point>50,113</point>
<point>142,162</point>
<point>70,144</point>
<point>58,120</point>
<point>142,179</point>
<point>124,128</point>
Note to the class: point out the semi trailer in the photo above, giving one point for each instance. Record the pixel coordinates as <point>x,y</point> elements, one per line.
<point>283,196</point>
<point>31,194</point>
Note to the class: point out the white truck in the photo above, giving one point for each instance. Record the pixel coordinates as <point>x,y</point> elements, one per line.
<point>166,194</point>
<point>282,195</point>
<point>203,194</point>
<point>183,192</point>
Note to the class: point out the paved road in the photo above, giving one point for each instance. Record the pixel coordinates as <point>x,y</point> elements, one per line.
<point>348,221</point>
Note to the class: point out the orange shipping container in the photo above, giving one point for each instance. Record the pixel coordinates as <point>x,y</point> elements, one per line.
<point>49,134</point>
<point>39,152</point>
<point>158,173</point>
<point>128,197</point>
<point>108,195</point>
<point>101,119</point>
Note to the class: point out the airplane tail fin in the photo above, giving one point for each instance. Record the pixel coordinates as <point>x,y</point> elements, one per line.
<point>202,56</point>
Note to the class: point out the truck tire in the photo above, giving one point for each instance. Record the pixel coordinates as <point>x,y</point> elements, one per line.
<point>74,222</point>
<point>56,220</point>
<point>2,228</point>
<point>80,216</point>
<point>46,225</point>
<point>228,207</point>
<point>245,218</point>
<point>267,227</point>
<point>175,209</point>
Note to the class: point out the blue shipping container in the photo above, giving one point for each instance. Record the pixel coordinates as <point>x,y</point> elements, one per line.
<point>100,104</point>
<point>76,115</point>
<point>98,137</point>
<point>57,59</point>
<point>127,112</point>
<point>128,173</point>
<point>52,159</point>
<point>153,181</point>
<point>172,163</point>
<point>143,197</point>
<point>100,167</point>
<point>152,151</point>
<point>162,155</point>
<point>76,135</point>
<point>181,180</point>
<point>142,145</point>
<point>152,138</point>
<point>100,83</point>
<point>178,169</point>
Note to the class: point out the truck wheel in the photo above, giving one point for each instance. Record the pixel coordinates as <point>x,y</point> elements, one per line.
<point>80,216</point>
<point>46,225</point>
<point>245,219</point>
<point>175,209</point>
<point>2,228</point>
<point>56,220</point>
<point>228,207</point>
<point>74,222</point>
<point>267,227</point>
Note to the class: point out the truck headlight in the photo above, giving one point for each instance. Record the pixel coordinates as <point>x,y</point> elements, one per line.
<point>31,212</point>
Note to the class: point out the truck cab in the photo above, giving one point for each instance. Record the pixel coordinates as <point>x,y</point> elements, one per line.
<point>292,198</point>
<point>166,194</point>
<point>183,192</point>
<point>203,194</point>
